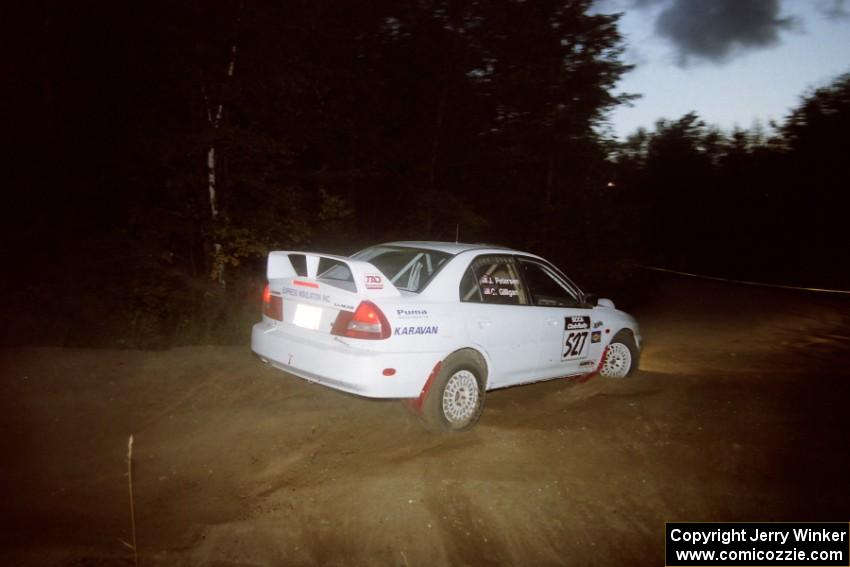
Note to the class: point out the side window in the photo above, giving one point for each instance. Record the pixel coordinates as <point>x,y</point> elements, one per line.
<point>546,287</point>
<point>494,280</point>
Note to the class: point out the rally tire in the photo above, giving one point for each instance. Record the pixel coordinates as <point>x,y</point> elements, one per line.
<point>455,399</point>
<point>621,357</point>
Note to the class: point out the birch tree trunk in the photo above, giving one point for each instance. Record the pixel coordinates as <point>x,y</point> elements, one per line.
<point>217,272</point>
<point>214,120</point>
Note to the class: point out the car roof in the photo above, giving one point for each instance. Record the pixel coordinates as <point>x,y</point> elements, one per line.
<point>453,248</point>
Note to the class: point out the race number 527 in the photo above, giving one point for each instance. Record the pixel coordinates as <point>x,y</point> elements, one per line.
<point>575,345</point>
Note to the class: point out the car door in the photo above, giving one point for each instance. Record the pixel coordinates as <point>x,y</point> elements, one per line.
<point>495,308</point>
<point>568,343</point>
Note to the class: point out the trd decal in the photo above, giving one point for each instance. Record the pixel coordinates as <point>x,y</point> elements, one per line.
<point>374,281</point>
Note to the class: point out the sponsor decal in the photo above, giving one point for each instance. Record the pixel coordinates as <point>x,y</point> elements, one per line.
<point>304,294</point>
<point>576,323</point>
<point>587,363</point>
<point>428,330</point>
<point>344,306</point>
<point>598,324</point>
<point>374,281</point>
<point>411,313</point>
<point>596,336</point>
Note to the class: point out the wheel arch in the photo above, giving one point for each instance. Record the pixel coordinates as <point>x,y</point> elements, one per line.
<point>625,330</point>
<point>627,333</point>
<point>479,356</point>
<point>431,405</point>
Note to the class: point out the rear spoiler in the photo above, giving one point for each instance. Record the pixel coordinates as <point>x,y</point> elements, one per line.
<point>365,278</point>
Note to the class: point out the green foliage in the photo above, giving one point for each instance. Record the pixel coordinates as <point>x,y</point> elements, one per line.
<point>333,208</point>
<point>347,124</point>
<point>342,124</point>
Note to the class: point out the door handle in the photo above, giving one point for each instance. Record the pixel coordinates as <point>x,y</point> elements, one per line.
<point>484,323</point>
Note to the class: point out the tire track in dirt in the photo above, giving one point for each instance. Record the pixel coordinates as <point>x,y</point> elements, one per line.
<point>737,414</point>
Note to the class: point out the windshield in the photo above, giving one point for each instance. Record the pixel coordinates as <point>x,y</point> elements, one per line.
<point>409,269</point>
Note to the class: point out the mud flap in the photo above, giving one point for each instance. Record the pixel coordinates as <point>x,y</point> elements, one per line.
<point>415,404</point>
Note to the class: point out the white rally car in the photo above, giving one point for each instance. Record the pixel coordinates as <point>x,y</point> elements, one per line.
<point>437,323</point>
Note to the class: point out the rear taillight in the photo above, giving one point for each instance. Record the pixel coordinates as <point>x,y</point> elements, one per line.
<point>365,322</point>
<point>272,304</point>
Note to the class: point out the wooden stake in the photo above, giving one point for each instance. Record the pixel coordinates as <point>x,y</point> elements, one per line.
<point>132,508</point>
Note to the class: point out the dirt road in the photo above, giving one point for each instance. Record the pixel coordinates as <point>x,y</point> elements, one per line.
<point>739,413</point>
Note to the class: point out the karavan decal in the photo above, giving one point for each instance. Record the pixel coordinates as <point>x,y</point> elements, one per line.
<point>430,330</point>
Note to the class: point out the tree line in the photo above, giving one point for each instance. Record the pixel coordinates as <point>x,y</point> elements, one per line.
<point>764,203</point>
<point>159,151</point>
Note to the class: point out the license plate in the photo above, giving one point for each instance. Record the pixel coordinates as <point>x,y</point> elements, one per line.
<point>307,316</point>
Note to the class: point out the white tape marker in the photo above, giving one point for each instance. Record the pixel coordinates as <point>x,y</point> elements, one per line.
<point>743,282</point>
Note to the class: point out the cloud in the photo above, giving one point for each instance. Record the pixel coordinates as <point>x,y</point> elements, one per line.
<point>644,3</point>
<point>717,30</point>
<point>833,9</point>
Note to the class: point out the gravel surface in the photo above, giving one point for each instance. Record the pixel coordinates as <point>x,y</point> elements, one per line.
<point>739,413</point>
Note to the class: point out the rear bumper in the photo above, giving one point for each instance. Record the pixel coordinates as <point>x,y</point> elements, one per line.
<point>341,364</point>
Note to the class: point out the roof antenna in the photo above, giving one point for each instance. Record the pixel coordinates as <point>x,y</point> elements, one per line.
<point>457,232</point>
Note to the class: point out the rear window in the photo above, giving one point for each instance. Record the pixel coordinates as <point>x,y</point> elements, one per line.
<point>409,269</point>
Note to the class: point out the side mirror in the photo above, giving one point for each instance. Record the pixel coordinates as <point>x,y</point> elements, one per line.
<point>605,302</point>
